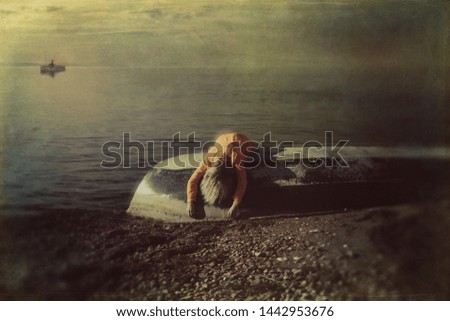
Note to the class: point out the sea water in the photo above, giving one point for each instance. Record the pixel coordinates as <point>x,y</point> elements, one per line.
<point>53,128</point>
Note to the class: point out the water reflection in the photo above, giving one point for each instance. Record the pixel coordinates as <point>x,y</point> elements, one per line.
<point>51,73</point>
<point>48,73</point>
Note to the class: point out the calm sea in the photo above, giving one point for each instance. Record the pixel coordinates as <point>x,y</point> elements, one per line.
<point>53,128</point>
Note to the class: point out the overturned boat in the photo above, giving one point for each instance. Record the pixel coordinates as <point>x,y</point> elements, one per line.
<point>291,185</point>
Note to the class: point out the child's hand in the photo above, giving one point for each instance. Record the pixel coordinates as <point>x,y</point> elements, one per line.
<point>195,212</point>
<point>233,212</point>
<point>191,209</point>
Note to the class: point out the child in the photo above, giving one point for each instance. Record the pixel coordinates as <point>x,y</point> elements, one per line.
<point>230,151</point>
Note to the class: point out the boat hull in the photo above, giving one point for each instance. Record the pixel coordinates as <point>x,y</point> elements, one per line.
<point>55,68</point>
<point>298,188</point>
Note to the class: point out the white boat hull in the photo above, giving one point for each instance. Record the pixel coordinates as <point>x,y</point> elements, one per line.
<point>373,177</point>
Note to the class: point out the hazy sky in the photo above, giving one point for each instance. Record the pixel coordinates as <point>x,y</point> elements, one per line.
<point>220,33</point>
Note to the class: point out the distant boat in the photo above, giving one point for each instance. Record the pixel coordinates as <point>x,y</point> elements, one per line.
<point>51,68</point>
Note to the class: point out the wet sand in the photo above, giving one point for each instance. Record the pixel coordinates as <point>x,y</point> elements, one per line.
<point>382,253</point>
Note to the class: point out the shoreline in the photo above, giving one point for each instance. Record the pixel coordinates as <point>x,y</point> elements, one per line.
<point>381,253</point>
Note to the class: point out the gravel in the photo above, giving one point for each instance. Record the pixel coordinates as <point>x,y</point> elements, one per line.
<point>385,253</point>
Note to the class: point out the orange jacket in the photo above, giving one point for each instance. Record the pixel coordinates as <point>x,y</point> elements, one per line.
<point>231,145</point>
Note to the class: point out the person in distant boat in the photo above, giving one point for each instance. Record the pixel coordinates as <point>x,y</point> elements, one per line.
<point>220,176</point>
